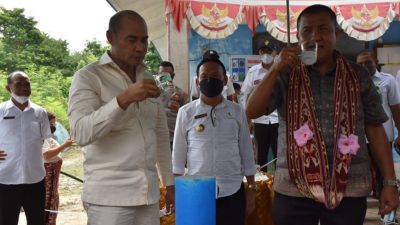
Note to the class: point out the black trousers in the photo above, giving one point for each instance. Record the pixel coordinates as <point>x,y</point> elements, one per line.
<point>29,196</point>
<point>231,209</point>
<point>287,210</point>
<point>266,136</point>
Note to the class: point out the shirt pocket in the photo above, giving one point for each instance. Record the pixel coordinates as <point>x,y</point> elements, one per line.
<point>200,139</point>
<point>35,131</point>
<point>228,129</point>
<point>7,129</point>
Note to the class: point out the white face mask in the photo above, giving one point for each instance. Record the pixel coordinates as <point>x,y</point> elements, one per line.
<point>20,99</point>
<point>308,57</point>
<point>267,58</point>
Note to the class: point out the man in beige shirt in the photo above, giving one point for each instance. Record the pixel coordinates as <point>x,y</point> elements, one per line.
<point>116,117</point>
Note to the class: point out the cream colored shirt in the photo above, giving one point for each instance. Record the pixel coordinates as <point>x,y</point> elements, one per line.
<point>121,148</point>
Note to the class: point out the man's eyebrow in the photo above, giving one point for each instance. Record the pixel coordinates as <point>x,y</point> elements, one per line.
<point>137,37</point>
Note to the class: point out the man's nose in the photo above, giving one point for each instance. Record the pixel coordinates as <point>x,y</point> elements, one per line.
<point>315,35</point>
<point>140,47</point>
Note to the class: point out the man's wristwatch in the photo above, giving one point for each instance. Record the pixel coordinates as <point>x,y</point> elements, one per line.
<point>391,183</point>
<point>252,187</point>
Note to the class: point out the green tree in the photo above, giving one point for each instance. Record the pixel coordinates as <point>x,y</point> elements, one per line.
<point>46,60</point>
<point>152,59</point>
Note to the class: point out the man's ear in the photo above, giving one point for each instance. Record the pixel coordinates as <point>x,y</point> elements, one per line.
<point>8,88</point>
<point>110,36</point>
<point>197,81</point>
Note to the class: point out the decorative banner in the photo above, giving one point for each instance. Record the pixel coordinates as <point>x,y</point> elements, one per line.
<point>275,21</point>
<point>178,10</point>
<point>365,22</point>
<point>214,20</point>
<point>252,13</point>
<point>220,18</point>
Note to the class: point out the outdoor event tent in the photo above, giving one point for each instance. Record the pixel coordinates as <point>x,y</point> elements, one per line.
<point>171,21</point>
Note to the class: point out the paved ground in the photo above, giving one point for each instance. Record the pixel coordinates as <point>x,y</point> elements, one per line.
<point>372,217</point>
<point>79,218</point>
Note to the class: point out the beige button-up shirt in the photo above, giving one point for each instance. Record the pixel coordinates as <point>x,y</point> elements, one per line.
<point>121,148</point>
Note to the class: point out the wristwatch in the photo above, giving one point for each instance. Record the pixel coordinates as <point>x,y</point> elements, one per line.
<point>391,183</point>
<point>252,187</point>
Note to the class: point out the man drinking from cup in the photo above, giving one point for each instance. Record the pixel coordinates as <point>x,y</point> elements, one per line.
<point>326,109</point>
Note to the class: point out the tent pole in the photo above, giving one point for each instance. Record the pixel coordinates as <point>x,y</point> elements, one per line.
<point>288,22</point>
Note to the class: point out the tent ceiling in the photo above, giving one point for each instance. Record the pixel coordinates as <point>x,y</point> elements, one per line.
<point>153,12</point>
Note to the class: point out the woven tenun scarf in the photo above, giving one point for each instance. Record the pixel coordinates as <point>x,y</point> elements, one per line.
<point>308,165</point>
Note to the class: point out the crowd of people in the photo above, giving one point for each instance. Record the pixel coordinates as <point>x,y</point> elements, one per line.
<point>329,123</point>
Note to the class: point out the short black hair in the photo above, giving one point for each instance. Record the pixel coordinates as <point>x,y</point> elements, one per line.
<point>11,76</point>
<point>115,20</point>
<point>50,115</point>
<point>313,9</point>
<point>366,51</point>
<point>167,64</point>
<point>236,86</point>
<point>210,56</point>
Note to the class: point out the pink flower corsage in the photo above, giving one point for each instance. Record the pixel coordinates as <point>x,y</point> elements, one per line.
<point>348,144</point>
<point>303,135</point>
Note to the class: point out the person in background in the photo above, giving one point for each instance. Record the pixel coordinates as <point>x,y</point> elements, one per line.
<point>116,116</point>
<point>228,91</point>
<point>390,97</point>
<point>173,98</point>
<point>212,139</point>
<point>238,93</point>
<point>326,109</point>
<point>52,164</point>
<point>23,128</point>
<point>265,128</point>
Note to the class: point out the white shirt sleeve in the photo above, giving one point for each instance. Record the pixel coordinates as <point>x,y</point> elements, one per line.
<point>393,92</point>
<point>89,120</point>
<point>45,125</point>
<point>246,147</point>
<point>247,87</point>
<point>229,85</point>
<point>180,146</point>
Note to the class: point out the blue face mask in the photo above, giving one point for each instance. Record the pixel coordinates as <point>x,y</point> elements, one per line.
<point>211,87</point>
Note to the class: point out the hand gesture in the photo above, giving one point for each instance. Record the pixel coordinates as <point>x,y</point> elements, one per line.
<point>389,200</point>
<point>137,92</point>
<point>2,155</point>
<point>170,199</point>
<point>250,201</point>
<point>68,143</point>
<point>288,57</point>
<point>143,89</point>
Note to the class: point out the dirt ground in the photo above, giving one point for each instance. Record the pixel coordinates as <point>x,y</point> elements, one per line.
<point>71,211</point>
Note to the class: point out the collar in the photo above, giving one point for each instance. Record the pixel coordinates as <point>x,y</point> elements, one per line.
<point>202,104</point>
<point>331,71</point>
<point>10,104</point>
<point>105,59</point>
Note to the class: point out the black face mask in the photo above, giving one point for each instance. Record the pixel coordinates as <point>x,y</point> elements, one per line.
<point>211,87</point>
<point>53,129</point>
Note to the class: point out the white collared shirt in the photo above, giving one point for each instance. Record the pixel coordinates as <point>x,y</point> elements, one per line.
<point>121,147</point>
<point>253,77</point>
<point>390,95</point>
<point>21,137</point>
<point>214,142</point>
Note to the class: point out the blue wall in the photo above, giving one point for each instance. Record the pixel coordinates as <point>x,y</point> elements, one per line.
<point>391,35</point>
<point>238,43</point>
